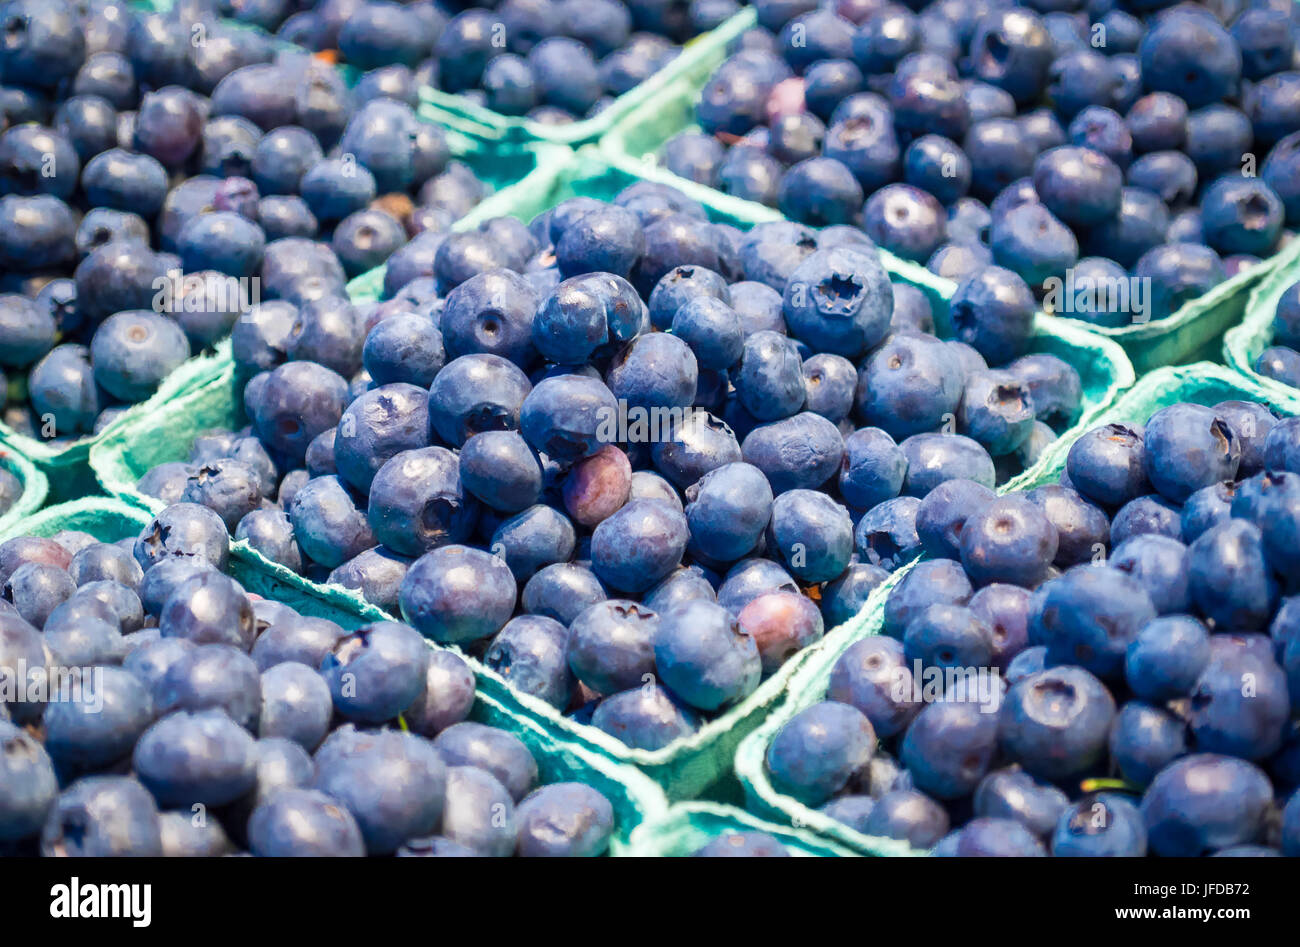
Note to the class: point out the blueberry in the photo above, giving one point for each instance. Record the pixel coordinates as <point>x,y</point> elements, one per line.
<point>1081,528</point>
<point>564,819</point>
<point>417,502</point>
<point>655,370</point>
<point>815,755</point>
<point>886,535</point>
<point>1223,719</point>
<point>1159,563</point>
<point>728,510</point>
<point>1105,825</point>
<point>1190,55</point>
<point>102,816</point>
<point>30,787</point>
<point>908,385</point>
<point>202,757</point>
<point>530,653</point>
<point>329,525</point>
<point>872,676</point>
<point>1011,540</point>
<point>611,645</point>
<point>949,747</point>
<point>645,717</point>
<point>1204,802</point>
<point>1089,616</point>
<point>811,533</point>
<point>476,393</point>
<point>1013,794</point>
<point>1230,583</point>
<point>782,624</point>
<point>1108,464</point>
<point>393,783</point>
<point>561,591</point>
<point>455,593</point>
<point>295,705</point>
<point>872,469</point>
<point>1144,739</point>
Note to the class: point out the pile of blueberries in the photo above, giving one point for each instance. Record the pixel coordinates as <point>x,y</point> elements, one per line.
<point>1140,623</point>
<point>1112,139</point>
<point>484,473</point>
<point>159,171</point>
<point>184,717</point>
<point>552,61</point>
<point>1281,360</point>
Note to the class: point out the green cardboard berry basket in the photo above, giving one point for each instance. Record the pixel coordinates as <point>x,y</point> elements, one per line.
<point>689,826</point>
<point>35,486</point>
<point>696,58</point>
<point>1201,383</point>
<point>692,765</point>
<point>1192,333</point>
<point>635,798</point>
<point>65,463</point>
<point>1244,343</point>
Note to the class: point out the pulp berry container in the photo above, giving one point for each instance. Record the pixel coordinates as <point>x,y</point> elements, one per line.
<point>35,486</point>
<point>692,765</point>
<point>635,798</point>
<point>1244,343</point>
<point>696,58</point>
<point>689,826</point>
<point>1193,332</point>
<point>66,463</point>
<point>1202,383</point>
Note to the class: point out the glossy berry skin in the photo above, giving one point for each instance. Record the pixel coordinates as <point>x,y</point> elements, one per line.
<point>376,672</point>
<point>705,657</point>
<point>564,415</point>
<point>1012,793</point>
<point>638,545</point>
<point>611,645</point>
<point>908,385</point>
<point>781,624</point>
<point>475,393</point>
<point>873,468</point>
<point>1106,825</point>
<point>803,451</point>
<point>1223,719</point>
<point>495,751</point>
<point>769,379</point>
<point>949,747</point>
<point>1166,658</point>
<point>948,636</point>
<point>1010,540</point>
<point>1191,56</point>
<point>654,370</point>
<point>298,401</point>
<point>561,591</point>
<point>564,820</point>
<point>30,786</point>
<point>811,533</point>
<point>530,653</point>
<point>1188,447</point>
<point>815,755</point>
<point>886,535</point>
<point>1231,585</point>
<point>645,717</point>
<point>183,529</point>
<point>298,822</point>
<point>1056,722</point>
<point>330,526</point>
<point>865,677</point>
<point>393,783</point>
<point>1205,802</point>
<point>840,300</point>
<point>296,705</point>
<point>727,511</point>
<point>993,311</point>
<point>583,314</point>
<point>457,593</point>
<point>907,815</point>
<point>1108,464</point>
<point>103,816</point>
<point>211,676</point>
<point>202,757</point>
<point>417,502</point>
<point>1144,739</point>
